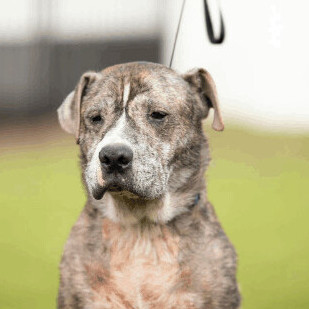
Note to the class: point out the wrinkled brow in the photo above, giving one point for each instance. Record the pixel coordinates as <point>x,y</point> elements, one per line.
<point>138,87</point>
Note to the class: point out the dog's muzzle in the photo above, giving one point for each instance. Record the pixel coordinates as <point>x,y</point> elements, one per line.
<point>115,168</point>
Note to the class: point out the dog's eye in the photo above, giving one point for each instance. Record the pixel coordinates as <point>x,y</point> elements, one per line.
<point>158,115</point>
<point>96,119</point>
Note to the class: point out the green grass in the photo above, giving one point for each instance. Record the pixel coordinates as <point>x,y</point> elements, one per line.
<point>257,182</point>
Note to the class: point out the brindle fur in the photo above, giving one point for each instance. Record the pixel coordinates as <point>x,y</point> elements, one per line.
<point>148,246</point>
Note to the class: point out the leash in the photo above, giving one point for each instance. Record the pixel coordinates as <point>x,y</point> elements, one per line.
<point>177,31</point>
<point>209,28</point>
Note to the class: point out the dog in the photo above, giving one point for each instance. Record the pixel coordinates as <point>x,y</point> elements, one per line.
<point>148,237</point>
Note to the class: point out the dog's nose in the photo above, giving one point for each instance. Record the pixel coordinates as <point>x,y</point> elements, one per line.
<point>116,157</point>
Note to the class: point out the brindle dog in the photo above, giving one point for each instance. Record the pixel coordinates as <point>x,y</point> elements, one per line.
<point>147,237</point>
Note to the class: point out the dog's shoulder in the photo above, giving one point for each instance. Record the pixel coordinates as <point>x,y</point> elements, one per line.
<point>73,289</point>
<point>209,255</point>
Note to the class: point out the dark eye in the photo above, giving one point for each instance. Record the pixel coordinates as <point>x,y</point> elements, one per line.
<point>96,119</point>
<point>158,115</point>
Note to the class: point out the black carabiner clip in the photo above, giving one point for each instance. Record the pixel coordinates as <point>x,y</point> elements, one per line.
<point>209,26</point>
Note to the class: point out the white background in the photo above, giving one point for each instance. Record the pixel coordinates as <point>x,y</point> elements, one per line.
<point>262,69</point>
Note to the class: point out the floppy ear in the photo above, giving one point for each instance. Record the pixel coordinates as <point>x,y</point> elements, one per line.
<point>69,110</point>
<point>202,83</point>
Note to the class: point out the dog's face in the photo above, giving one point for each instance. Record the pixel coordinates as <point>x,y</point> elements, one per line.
<point>139,127</point>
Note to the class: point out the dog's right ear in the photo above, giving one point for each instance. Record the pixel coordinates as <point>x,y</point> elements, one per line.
<point>69,110</point>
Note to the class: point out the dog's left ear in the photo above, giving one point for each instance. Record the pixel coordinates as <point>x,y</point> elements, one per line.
<point>69,110</point>
<point>202,83</point>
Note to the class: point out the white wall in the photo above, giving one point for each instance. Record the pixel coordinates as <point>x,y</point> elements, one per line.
<point>261,70</point>
<point>25,20</point>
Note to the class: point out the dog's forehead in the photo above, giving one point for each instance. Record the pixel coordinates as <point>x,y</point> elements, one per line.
<point>142,77</point>
<point>124,83</point>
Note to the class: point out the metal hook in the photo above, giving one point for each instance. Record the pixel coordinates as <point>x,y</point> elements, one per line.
<point>209,26</point>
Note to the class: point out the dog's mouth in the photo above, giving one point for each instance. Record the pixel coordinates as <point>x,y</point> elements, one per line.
<point>123,184</point>
<point>115,188</point>
<point>114,184</point>
<point>98,192</point>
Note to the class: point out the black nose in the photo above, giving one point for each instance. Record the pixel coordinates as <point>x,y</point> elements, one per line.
<point>116,157</point>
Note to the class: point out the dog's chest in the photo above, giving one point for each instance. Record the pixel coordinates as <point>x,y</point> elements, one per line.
<point>144,271</point>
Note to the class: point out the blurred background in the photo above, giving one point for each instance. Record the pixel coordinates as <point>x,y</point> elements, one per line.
<point>259,175</point>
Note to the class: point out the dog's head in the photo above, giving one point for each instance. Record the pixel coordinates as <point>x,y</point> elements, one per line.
<point>139,126</point>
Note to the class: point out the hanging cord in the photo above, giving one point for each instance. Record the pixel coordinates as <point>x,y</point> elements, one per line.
<point>177,31</point>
